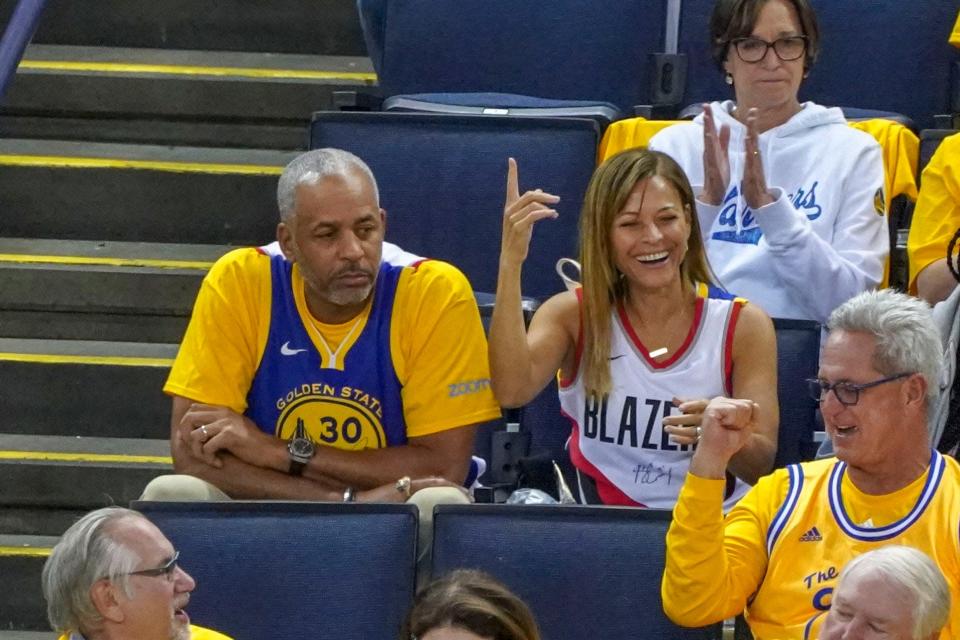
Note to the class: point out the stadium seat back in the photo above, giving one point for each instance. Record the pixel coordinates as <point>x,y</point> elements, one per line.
<point>442,181</point>
<point>586,572</point>
<point>798,355</point>
<point>269,571</point>
<point>561,49</point>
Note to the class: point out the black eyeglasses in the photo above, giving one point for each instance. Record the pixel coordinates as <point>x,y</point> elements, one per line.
<point>167,570</point>
<point>754,49</point>
<point>848,393</point>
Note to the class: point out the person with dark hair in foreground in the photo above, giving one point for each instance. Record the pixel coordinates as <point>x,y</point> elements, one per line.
<point>114,576</point>
<point>778,553</point>
<point>468,605</point>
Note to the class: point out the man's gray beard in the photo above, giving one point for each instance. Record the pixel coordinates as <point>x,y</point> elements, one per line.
<point>181,632</point>
<point>347,297</point>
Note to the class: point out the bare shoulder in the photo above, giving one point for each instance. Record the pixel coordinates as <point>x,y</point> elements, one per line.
<point>560,311</point>
<point>754,328</point>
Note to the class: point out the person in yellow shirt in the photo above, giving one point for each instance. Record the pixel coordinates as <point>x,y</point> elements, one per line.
<point>779,552</point>
<point>935,221</point>
<point>114,576</point>
<point>330,365</point>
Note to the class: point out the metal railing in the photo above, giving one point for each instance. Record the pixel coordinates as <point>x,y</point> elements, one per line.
<point>16,37</point>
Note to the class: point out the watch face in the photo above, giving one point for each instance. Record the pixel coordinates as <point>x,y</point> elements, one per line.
<point>300,447</point>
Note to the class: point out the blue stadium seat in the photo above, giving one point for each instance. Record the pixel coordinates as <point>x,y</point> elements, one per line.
<point>442,180</point>
<point>271,571</point>
<point>890,54</point>
<point>798,356</point>
<point>559,49</point>
<point>586,572</point>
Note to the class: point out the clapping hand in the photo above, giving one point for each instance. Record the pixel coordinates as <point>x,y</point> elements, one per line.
<point>519,215</point>
<point>716,159</point>
<point>754,183</point>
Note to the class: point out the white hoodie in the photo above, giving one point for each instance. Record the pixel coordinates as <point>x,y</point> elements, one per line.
<point>823,239</point>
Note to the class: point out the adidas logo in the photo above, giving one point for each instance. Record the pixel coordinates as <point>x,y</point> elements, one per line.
<point>811,536</point>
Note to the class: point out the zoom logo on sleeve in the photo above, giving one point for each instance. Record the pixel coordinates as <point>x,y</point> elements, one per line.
<point>464,388</point>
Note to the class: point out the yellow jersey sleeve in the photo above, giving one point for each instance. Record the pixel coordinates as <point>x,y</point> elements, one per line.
<point>199,633</point>
<point>937,215</point>
<point>440,351</point>
<point>955,34</point>
<point>714,564</point>
<point>228,329</point>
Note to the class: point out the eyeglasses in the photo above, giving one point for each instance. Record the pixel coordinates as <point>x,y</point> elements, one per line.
<point>167,570</point>
<point>754,49</point>
<point>847,393</point>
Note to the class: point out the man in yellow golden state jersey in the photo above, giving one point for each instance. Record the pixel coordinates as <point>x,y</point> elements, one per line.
<point>781,550</point>
<point>330,365</point>
<point>114,576</point>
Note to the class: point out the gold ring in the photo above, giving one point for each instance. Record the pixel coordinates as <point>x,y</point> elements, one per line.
<point>699,433</point>
<point>756,153</point>
<point>403,485</point>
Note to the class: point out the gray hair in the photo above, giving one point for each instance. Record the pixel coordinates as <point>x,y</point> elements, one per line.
<point>907,340</point>
<point>915,573</point>
<point>312,167</point>
<point>85,554</point>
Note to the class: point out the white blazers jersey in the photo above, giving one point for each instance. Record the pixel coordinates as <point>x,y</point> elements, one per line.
<point>620,442</point>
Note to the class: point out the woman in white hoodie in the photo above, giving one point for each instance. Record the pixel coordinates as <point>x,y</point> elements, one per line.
<point>789,197</point>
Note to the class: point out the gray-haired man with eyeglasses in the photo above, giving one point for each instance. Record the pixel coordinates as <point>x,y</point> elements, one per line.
<point>114,576</point>
<point>779,552</point>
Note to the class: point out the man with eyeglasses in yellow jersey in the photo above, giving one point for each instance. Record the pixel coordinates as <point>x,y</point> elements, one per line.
<point>114,576</point>
<point>778,554</point>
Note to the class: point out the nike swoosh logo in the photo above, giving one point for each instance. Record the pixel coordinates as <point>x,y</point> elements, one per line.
<point>622,355</point>
<point>287,351</point>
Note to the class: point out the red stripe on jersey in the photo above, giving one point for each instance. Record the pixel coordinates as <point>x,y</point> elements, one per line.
<point>608,492</point>
<point>728,346</point>
<point>694,326</point>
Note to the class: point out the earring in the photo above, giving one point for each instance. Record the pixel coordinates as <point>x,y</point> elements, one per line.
<point>728,78</point>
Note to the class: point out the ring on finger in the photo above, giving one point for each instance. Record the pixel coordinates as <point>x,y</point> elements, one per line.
<point>203,432</point>
<point>699,433</point>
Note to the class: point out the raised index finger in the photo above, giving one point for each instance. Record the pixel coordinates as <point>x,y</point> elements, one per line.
<point>513,190</point>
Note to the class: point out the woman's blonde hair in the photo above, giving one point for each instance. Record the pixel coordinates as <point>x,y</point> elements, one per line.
<point>471,600</point>
<point>603,285</point>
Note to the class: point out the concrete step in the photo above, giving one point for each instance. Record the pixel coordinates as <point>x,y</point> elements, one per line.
<point>329,27</point>
<point>138,193</point>
<point>85,388</point>
<point>156,83</point>
<point>22,606</point>
<point>104,291</point>
<point>66,472</point>
<point>169,131</point>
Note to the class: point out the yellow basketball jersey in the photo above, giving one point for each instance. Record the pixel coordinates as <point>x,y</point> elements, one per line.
<point>825,522</point>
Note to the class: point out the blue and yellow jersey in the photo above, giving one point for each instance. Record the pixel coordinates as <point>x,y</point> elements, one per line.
<point>781,550</point>
<point>411,364</point>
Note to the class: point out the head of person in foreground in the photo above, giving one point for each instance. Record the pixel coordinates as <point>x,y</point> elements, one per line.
<point>115,575</point>
<point>468,605</point>
<point>895,592</point>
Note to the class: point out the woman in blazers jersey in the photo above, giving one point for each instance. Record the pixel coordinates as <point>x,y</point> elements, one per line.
<point>790,198</point>
<point>645,342</point>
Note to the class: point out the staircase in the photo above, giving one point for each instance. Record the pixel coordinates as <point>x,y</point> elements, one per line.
<point>140,141</point>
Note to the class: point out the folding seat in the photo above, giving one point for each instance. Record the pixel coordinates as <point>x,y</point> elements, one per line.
<point>798,355</point>
<point>570,57</point>
<point>273,570</point>
<point>586,572</point>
